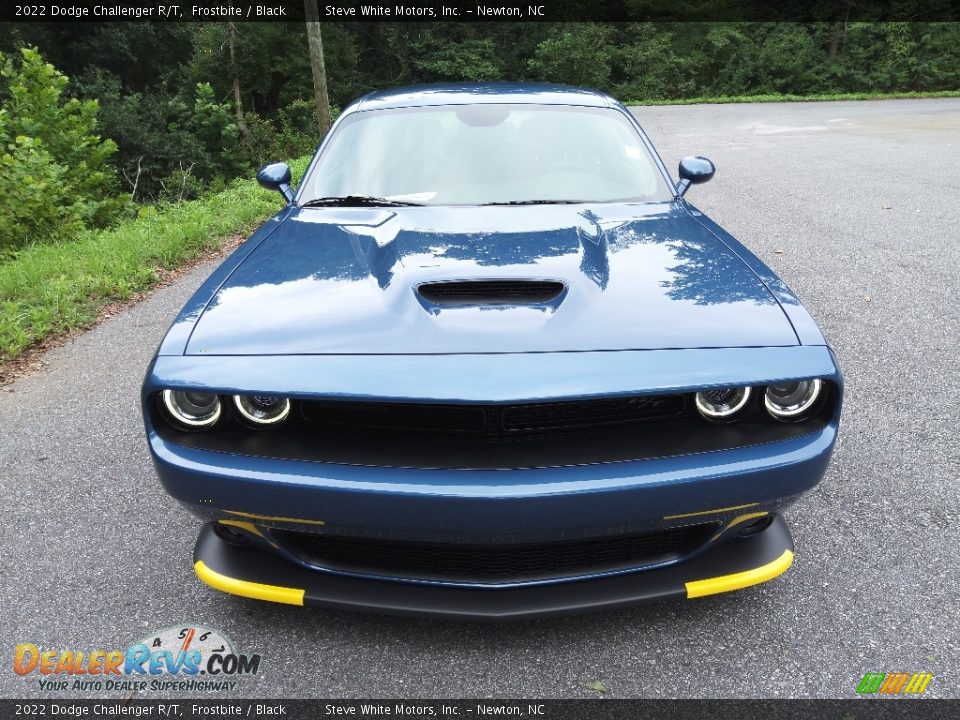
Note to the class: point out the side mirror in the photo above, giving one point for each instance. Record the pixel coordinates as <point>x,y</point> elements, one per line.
<point>693,171</point>
<point>276,176</point>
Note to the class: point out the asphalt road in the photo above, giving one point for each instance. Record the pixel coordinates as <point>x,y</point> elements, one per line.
<point>854,204</point>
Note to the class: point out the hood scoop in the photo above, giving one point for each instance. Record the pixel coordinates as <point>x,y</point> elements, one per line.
<point>491,292</point>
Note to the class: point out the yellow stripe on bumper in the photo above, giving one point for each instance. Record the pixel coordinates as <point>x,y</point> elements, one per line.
<point>277,518</point>
<point>257,591</point>
<point>726,583</point>
<point>715,511</point>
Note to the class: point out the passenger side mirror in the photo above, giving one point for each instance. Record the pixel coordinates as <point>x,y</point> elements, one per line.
<point>693,171</point>
<point>276,176</point>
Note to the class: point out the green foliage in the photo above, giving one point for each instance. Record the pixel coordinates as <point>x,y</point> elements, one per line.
<point>579,54</point>
<point>901,56</point>
<point>54,176</point>
<point>291,134</point>
<point>170,147</point>
<point>50,289</point>
<point>202,138</point>
<point>272,65</point>
<point>776,58</point>
<point>651,67</point>
<point>470,59</point>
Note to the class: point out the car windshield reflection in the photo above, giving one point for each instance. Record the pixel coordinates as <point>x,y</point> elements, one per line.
<point>488,154</point>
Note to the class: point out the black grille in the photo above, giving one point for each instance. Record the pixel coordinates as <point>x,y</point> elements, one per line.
<point>398,416</point>
<point>589,413</point>
<point>494,563</point>
<point>496,420</point>
<point>485,436</point>
<point>491,292</point>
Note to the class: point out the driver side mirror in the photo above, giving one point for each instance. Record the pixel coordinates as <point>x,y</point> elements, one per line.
<point>276,176</point>
<point>694,170</point>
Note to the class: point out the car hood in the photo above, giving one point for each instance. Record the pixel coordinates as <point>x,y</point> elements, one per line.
<point>345,280</point>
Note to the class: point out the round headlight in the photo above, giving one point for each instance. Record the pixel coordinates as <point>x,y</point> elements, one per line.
<point>262,410</point>
<point>790,401</point>
<point>722,404</point>
<point>192,409</point>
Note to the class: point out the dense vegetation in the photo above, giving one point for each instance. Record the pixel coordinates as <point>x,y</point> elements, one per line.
<point>111,123</point>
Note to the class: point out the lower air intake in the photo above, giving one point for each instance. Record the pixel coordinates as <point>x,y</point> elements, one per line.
<point>494,563</point>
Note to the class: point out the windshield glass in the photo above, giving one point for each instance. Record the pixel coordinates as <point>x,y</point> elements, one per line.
<point>488,153</point>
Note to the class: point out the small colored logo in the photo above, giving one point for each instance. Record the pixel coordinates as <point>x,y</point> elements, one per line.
<point>894,683</point>
<point>170,659</point>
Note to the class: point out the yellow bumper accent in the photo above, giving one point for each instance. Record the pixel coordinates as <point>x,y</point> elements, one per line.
<point>248,526</point>
<point>257,591</point>
<point>277,518</point>
<point>715,511</point>
<point>726,583</point>
<point>737,521</point>
<point>743,518</point>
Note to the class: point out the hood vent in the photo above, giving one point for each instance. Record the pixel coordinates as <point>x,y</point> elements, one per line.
<point>491,292</point>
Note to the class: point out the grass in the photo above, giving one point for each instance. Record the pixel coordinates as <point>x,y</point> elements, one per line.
<point>49,290</point>
<point>775,97</point>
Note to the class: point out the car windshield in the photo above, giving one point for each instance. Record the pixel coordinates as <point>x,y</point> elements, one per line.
<point>486,154</point>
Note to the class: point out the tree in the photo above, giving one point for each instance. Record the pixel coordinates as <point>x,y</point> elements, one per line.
<point>235,80</point>
<point>316,65</point>
<point>54,175</point>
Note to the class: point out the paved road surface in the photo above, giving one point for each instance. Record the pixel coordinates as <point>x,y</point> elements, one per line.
<point>856,205</point>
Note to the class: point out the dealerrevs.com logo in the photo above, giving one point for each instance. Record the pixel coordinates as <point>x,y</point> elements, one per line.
<point>186,658</point>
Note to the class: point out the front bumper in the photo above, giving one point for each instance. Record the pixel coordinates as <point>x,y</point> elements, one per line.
<point>492,506</point>
<point>731,565</point>
<point>260,495</point>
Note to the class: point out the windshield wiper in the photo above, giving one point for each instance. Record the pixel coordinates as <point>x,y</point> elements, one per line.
<point>357,201</point>
<point>537,202</point>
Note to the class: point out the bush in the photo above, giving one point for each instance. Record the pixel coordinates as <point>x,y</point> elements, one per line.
<point>651,67</point>
<point>293,133</point>
<point>54,176</point>
<point>469,59</point>
<point>171,147</point>
<point>580,54</point>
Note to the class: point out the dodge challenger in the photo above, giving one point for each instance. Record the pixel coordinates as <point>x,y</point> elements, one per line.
<point>487,362</point>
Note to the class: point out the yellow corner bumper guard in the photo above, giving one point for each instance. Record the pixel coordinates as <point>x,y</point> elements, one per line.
<point>245,588</point>
<point>735,581</point>
<point>294,596</point>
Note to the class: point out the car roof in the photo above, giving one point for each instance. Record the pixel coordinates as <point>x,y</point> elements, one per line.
<point>472,93</point>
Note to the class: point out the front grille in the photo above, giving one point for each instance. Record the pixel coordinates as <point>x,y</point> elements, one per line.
<point>398,416</point>
<point>491,292</point>
<point>493,436</point>
<point>496,420</point>
<point>589,413</point>
<point>491,563</point>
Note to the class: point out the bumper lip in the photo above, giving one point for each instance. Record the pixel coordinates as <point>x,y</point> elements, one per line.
<point>253,573</point>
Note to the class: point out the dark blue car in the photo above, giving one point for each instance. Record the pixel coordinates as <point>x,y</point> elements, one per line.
<point>488,363</point>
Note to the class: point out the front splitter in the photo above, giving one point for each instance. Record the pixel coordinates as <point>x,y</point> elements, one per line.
<point>730,565</point>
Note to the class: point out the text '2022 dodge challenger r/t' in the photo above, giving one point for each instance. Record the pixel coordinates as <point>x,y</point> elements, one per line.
<point>488,363</point>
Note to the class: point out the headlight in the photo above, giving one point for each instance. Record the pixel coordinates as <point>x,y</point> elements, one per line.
<point>192,409</point>
<point>262,410</point>
<point>792,401</point>
<point>722,404</point>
